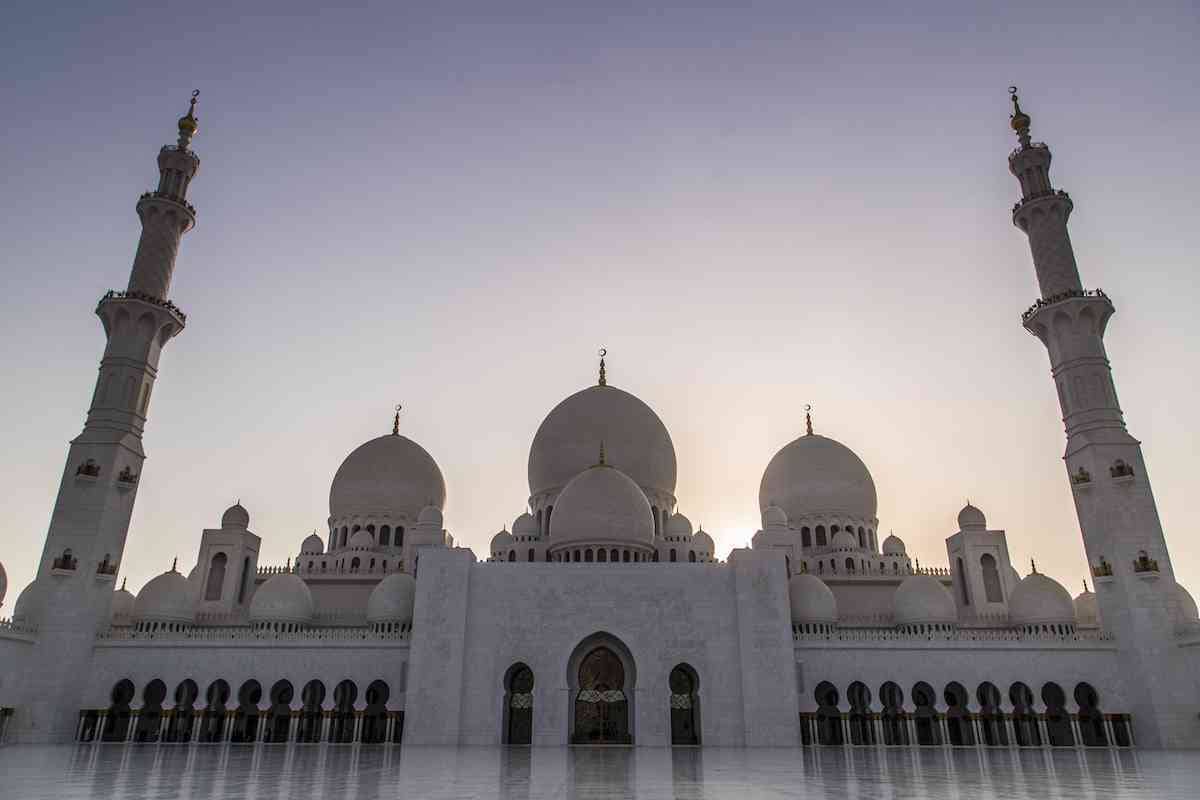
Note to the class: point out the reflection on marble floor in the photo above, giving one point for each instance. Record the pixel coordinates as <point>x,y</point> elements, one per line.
<point>364,773</point>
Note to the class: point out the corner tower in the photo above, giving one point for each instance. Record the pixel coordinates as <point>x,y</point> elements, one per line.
<point>1122,534</point>
<point>85,542</point>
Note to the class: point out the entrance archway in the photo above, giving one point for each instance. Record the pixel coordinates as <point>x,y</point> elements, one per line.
<point>602,677</point>
<point>518,705</point>
<point>685,728</point>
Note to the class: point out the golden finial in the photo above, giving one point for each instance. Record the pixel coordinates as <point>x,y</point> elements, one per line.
<point>1033,566</point>
<point>601,462</point>
<point>174,564</point>
<point>1085,586</point>
<point>189,124</point>
<point>396,421</point>
<point>603,375</point>
<point>808,418</point>
<point>1020,120</point>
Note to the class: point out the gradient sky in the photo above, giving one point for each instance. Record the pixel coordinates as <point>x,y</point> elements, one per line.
<point>454,207</point>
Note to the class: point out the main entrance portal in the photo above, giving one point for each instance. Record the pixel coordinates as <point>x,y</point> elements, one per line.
<point>601,708</point>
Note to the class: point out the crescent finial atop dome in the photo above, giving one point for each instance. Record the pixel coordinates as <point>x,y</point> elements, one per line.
<point>1020,120</point>
<point>808,418</point>
<point>603,375</point>
<point>396,421</point>
<point>188,124</point>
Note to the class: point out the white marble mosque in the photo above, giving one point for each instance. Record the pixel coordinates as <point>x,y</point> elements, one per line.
<point>604,616</point>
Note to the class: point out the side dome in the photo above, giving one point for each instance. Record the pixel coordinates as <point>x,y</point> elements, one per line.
<point>283,598</point>
<point>235,517</point>
<point>28,608</point>
<point>602,505</point>
<point>703,544</point>
<point>1040,600</point>
<point>811,600</point>
<point>679,526</point>
<point>388,476</point>
<point>122,605</point>
<point>525,526</point>
<point>638,443</point>
<point>313,545</point>
<point>774,517</point>
<point>1187,605</point>
<point>844,540</point>
<point>893,545</point>
<point>166,598</point>
<point>361,540</point>
<point>922,600</point>
<point>971,519</point>
<point>1087,611</point>
<point>817,475</point>
<point>431,515</point>
<point>501,543</point>
<point>392,599</point>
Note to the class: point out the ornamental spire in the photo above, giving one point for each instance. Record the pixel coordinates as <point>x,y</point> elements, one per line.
<point>1019,120</point>
<point>396,421</point>
<point>174,564</point>
<point>603,375</point>
<point>808,419</point>
<point>1033,566</point>
<point>1085,586</point>
<point>601,462</point>
<point>189,124</point>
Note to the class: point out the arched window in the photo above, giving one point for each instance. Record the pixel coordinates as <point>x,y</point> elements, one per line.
<point>850,565</point>
<point>615,555</point>
<point>399,536</point>
<point>150,718</point>
<point>375,715</point>
<point>684,705</point>
<point>992,729</point>
<point>673,554</point>
<point>991,579</point>
<point>341,728</point>
<point>895,727</point>
<point>311,713</point>
<point>549,514</point>
<point>821,541</point>
<point>862,537</point>
<point>245,581</point>
<point>692,556</point>
<point>925,717</point>
<point>354,563</point>
<point>862,732</point>
<point>385,536</point>
<point>1091,720</point>
<point>279,715</point>
<point>512,555</point>
<point>587,555</point>
<point>518,705</point>
<point>532,555</point>
<point>657,526</point>
<point>625,556</point>
<point>245,719</point>
<point>180,727</point>
<point>539,522</point>
<point>216,577</point>
<point>805,537</point>
<point>1024,720</point>
<point>212,726</point>
<point>829,717</point>
<point>602,555</point>
<point>962,583</point>
<point>959,729</point>
<point>1058,720</point>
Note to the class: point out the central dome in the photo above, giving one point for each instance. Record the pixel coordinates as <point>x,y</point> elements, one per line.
<point>391,475</point>
<point>816,475</point>
<point>634,437</point>
<point>602,505</point>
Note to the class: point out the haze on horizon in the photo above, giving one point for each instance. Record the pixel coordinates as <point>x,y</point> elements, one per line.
<point>453,208</point>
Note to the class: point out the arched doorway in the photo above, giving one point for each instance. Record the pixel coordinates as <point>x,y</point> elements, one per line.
<point>279,715</point>
<point>601,706</point>
<point>375,716</point>
<point>518,705</point>
<point>685,723</point>
<point>341,728</point>
<point>116,727</point>
<point>311,714</point>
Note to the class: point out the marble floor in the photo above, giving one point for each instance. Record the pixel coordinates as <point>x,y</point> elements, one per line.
<point>364,773</point>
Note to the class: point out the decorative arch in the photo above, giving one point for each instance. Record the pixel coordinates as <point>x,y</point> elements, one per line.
<point>684,683</point>
<point>212,725</point>
<point>341,728</point>
<point>116,728</point>
<point>311,712</point>
<point>216,577</point>
<point>180,727</point>
<point>602,676</point>
<point>150,719</point>
<point>375,715</point>
<point>245,719</point>
<point>518,705</point>
<point>895,725</point>
<point>925,716</point>
<point>959,730</point>
<point>829,716</point>
<point>279,715</point>
<point>862,731</point>
<point>991,719</point>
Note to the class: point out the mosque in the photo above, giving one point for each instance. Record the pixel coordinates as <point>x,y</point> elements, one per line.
<point>604,616</point>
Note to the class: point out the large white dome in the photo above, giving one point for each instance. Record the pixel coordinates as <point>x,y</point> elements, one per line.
<point>923,600</point>
<point>811,600</point>
<point>392,599</point>
<point>817,475</point>
<point>283,598</point>
<point>602,505</point>
<point>388,476</point>
<point>636,441</point>
<point>1039,599</point>
<point>166,598</point>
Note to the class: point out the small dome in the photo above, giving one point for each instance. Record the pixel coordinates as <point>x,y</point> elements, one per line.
<point>388,476</point>
<point>1087,611</point>
<point>283,598</point>
<point>501,542</point>
<point>392,599</point>
<point>844,540</point>
<point>893,545</point>
<point>923,600</point>
<point>774,517</point>
<point>602,504</point>
<point>815,474</point>
<point>702,543</point>
<point>1039,599</point>
<point>431,515</point>
<point>1187,605</point>
<point>28,608</point>
<point>679,526</point>
<point>361,540</point>
<point>122,604</point>
<point>166,598</point>
<point>637,441</point>
<point>971,519</point>
<point>312,545</point>
<point>525,525</point>
<point>811,600</point>
<point>236,516</point>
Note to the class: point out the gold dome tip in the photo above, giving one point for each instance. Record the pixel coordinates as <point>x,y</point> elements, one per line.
<point>188,123</point>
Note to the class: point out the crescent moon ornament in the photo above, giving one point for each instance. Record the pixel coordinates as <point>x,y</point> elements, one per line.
<point>603,352</point>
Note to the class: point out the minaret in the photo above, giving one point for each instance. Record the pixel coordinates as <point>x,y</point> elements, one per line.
<point>1122,534</point>
<point>85,542</point>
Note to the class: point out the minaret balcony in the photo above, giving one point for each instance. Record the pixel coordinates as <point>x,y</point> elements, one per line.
<point>113,295</point>
<point>171,198</point>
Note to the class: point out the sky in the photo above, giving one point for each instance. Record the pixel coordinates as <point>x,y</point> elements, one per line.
<point>453,208</point>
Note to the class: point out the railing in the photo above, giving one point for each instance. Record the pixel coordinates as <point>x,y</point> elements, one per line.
<point>68,563</point>
<point>7,625</point>
<point>168,196</point>
<point>106,568</point>
<point>1038,196</point>
<point>299,569</point>
<point>947,633</point>
<point>227,633</point>
<point>200,725</point>
<point>113,294</point>
<point>1053,299</point>
<point>1030,146</point>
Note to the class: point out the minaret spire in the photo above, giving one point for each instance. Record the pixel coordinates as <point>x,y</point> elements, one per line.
<point>1122,533</point>
<point>808,419</point>
<point>396,421</point>
<point>603,374</point>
